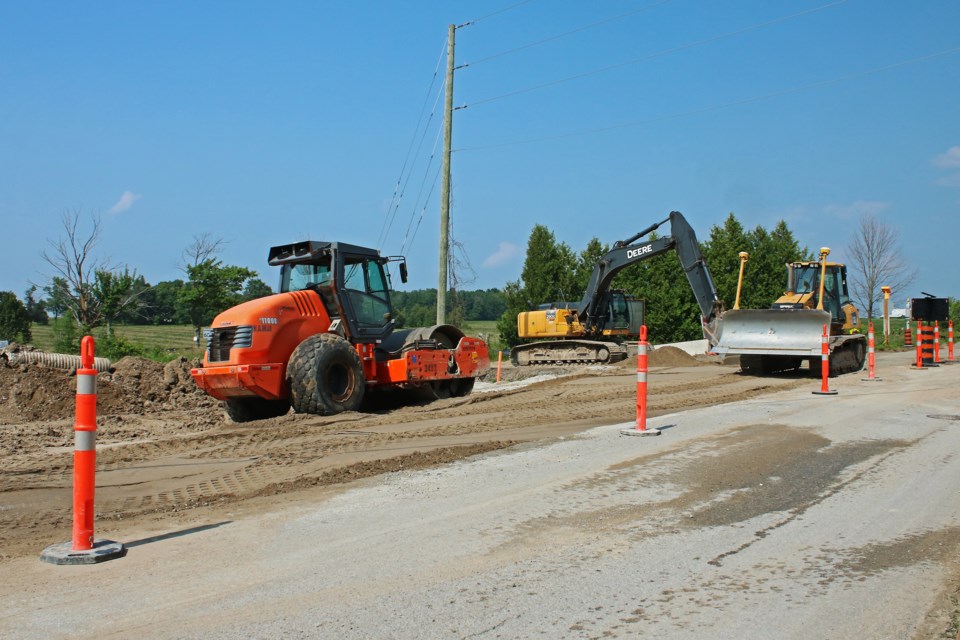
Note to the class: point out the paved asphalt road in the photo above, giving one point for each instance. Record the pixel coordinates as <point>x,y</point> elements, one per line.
<point>789,516</point>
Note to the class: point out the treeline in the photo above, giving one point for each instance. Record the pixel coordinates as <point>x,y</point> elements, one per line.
<point>553,271</point>
<point>212,288</point>
<point>418,308</point>
<point>116,297</point>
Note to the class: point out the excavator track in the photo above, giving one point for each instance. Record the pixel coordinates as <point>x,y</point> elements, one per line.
<point>567,352</point>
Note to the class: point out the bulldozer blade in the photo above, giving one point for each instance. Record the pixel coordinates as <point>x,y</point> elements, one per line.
<point>784,332</point>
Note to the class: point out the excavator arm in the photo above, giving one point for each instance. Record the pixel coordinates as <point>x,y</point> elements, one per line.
<point>683,240</point>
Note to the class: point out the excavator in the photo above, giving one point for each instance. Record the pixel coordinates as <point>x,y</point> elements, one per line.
<point>587,333</point>
<point>782,337</point>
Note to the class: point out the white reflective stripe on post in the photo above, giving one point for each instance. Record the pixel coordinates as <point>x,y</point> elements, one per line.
<point>870,349</point>
<point>85,440</point>
<point>641,376</point>
<point>86,384</point>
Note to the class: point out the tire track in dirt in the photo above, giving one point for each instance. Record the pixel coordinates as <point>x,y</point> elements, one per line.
<point>193,459</point>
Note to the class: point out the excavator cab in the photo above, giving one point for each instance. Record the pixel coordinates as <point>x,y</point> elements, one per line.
<point>625,315</point>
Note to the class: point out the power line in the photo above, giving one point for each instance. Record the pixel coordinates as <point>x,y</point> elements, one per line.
<point>436,178</point>
<point>397,190</point>
<point>423,181</point>
<point>495,13</point>
<point>565,34</point>
<point>735,103</point>
<point>658,54</point>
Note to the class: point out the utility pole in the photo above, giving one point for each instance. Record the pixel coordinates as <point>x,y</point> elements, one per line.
<point>445,184</point>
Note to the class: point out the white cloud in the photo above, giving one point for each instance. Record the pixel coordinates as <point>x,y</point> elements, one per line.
<point>952,180</point>
<point>505,254</point>
<point>125,202</point>
<point>856,209</point>
<point>948,160</point>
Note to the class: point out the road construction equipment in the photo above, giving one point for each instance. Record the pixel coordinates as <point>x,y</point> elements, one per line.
<point>782,337</point>
<point>589,331</point>
<point>328,338</point>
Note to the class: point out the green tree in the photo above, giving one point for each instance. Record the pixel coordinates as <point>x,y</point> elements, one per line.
<point>256,288</point>
<point>765,276</point>
<point>57,294</point>
<point>548,276</point>
<point>765,272</point>
<point>721,252</point>
<point>516,301</point>
<point>211,288</point>
<point>161,304</point>
<point>36,309</point>
<point>548,271</point>
<point>113,293</point>
<point>14,319</point>
<point>586,262</point>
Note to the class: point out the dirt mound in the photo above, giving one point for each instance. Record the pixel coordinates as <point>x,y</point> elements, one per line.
<point>665,356</point>
<point>136,385</point>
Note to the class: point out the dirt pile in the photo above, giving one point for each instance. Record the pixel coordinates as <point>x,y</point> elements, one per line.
<point>136,385</point>
<point>665,356</point>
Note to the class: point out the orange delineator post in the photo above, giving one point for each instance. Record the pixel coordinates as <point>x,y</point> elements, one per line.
<point>85,448</point>
<point>919,364</point>
<point>83,548</point>
<point>907,338</point>
<point>936,342</point>
<point>642,380</point>
<point>825,365</point>
<point>950,341</point>
<point>641,428</point>
<point>499,364</point>
<point>871,355</point>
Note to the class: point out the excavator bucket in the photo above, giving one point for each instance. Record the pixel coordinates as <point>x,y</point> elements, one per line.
<point>780,332</point>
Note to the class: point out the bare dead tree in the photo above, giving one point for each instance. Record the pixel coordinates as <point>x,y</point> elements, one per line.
<point>203,247</point>
<point>72,257</point>
<point>877,261</point>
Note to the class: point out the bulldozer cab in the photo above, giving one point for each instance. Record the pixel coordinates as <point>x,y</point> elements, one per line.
<point>803,285</point>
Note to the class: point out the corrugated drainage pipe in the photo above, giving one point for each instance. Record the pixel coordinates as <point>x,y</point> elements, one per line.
<point>56,360</point>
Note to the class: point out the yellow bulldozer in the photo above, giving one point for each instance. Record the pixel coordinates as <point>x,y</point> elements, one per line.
<point>782,337</point>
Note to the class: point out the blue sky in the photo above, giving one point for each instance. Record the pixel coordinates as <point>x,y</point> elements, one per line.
<point>265,123</point>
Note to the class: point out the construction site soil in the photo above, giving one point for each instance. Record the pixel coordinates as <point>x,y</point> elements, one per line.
<point>166,452</point>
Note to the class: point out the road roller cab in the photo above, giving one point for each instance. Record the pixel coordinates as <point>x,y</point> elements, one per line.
<point>327,337</point>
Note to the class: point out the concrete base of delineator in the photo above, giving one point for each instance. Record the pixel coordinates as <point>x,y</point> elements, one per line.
<point>638,432</point>
<point>102,551</point>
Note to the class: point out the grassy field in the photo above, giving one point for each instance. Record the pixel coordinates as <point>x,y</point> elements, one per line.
<point>177,340</point>
<point>173,339</point>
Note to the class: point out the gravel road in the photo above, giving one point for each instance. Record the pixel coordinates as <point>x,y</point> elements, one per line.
<point>786,515</point>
